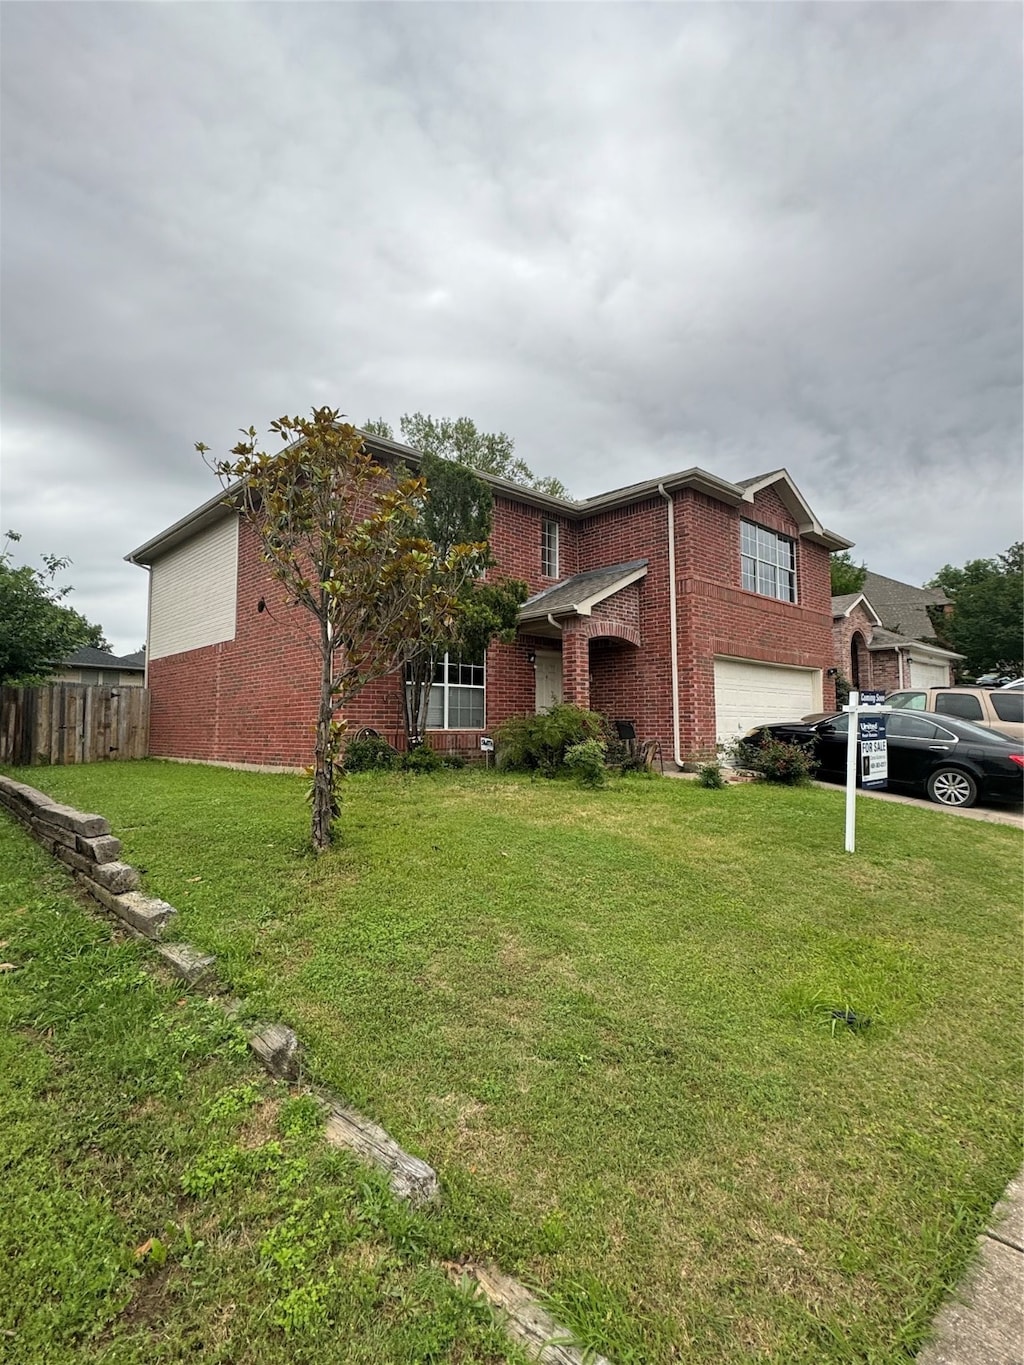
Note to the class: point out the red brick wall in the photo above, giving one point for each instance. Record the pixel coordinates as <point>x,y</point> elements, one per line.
<point>876,668</point>
<point>718,617</point>
<point>249,700</point>
<point>253,699</point>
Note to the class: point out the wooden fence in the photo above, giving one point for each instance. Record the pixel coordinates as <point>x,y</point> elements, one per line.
<point>72,723</point>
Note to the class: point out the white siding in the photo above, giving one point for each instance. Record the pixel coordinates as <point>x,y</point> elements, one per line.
<point>192,592</point>
<point>749,694</point>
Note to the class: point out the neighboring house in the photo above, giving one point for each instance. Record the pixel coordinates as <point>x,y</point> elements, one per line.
<point>884,637</point>
<point>98,668</point>
<point>690,605</point>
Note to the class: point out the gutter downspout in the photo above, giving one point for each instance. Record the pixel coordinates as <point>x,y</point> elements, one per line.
<point>899,666</point>
<point>672,622</point>
<point>149,618</point>
<point>554,623</point>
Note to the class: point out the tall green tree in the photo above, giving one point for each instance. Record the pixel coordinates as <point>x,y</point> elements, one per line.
<point>846,576</point>
<point>987,621</point>
<point>37,630</point>
<point>459,439</point>
<point>457,511</point>
<point>342,536</point>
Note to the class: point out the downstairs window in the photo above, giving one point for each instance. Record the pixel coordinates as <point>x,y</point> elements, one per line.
<point>456,695</point>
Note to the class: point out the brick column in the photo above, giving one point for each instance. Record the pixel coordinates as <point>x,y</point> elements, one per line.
<point>575,667</point>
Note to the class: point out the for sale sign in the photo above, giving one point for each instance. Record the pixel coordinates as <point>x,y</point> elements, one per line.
<point>872,699</point>
<point>874,758</point>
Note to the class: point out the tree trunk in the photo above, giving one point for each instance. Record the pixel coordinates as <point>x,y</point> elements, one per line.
<point>324,807</point>
<point>415,682</point>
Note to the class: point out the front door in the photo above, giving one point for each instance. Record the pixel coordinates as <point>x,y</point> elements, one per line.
<point>549,678</point>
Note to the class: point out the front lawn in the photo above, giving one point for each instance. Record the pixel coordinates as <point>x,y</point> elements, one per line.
<point>604,1016</point>
<point>165,1201</point>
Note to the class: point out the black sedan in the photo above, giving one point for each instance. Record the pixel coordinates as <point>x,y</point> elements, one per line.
<point>953,761</point>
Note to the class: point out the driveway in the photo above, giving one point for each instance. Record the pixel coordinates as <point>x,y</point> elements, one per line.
<point>995,815</point>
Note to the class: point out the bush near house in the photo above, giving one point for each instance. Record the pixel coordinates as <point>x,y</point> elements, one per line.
<point>538,743</point>
<point>774,760</point>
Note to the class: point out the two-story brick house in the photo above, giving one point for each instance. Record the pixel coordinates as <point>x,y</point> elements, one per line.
<point>690,605</point>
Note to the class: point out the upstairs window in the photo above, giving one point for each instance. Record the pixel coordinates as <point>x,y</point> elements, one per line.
<point>769,562</point>
<point>549,548</point>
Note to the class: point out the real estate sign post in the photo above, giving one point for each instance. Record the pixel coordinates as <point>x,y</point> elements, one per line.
<point>866,737</point>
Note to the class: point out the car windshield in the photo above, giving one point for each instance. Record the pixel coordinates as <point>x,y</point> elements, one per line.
<point>907,701</point>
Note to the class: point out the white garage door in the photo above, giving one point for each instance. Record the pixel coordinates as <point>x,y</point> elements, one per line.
<point>747,694</point>
<point>928,675</point>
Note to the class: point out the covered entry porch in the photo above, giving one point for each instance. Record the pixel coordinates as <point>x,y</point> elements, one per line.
<point>583,638</point>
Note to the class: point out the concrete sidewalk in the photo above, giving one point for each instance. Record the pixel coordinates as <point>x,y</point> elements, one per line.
<point>983,1322</point>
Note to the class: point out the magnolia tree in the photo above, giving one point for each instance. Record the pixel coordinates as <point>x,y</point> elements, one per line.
<point>343,537</point>
<point>457,511</point>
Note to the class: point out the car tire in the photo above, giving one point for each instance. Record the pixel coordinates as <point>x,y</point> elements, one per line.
<point>952,787</point>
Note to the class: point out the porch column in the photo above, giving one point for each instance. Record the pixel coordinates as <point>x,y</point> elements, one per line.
<point>575,668</point>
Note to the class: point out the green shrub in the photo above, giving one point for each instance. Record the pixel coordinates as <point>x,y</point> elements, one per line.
<point>710,775</point>
<point>776,761</point>
<point>586,762</point>
<point>422,759</point>
<point>453,762</point>
<point>539,743</point>
<point>369,754</point>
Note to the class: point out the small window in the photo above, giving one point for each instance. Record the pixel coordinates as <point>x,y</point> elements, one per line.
<point>908,701</point>
<point>961,704</point>
<point>1008,705</point>
<point>549,548</point>
<point>768,562</point>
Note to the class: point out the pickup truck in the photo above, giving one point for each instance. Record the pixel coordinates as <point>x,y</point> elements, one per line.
<point>995,710</point>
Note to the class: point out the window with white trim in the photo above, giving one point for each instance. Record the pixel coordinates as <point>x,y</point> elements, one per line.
<point>456,695</point>
<point>549,548</point>
<point>769,562</point>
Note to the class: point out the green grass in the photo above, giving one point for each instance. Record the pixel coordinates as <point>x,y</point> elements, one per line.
<point>162,1200</point>
<point>605,1017</point>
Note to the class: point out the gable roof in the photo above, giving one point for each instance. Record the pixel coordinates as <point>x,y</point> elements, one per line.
<point>901,607</point>
<point>845,603</point>
<point>734,494</point>
<point>581,593</point>
<point>888,639</point>
<point>88,657</point>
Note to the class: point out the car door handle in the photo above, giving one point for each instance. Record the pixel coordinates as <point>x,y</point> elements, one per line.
<point>938,748</point>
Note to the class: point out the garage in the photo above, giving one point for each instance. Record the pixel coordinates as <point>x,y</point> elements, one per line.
<point>924,673</point>
<point>748,693</point>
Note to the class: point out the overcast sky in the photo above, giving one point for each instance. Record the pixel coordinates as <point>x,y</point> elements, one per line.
<point>637,238</point>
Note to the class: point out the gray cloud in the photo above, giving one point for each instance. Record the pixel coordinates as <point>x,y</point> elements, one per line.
<point>635,237</point>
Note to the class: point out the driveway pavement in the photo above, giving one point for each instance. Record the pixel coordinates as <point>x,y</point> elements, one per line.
<point>994,815</point>
<point>983,1321</point>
